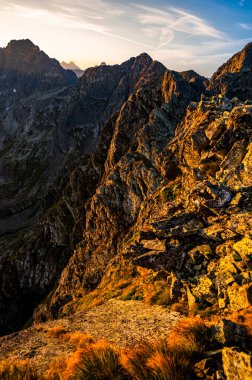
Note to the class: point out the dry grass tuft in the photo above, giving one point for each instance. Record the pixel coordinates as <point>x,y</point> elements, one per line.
<point>78,339</point>
<point>170,360</point>
<point>191,335</point>
<point>157,362</point>
<point>57,369</point>
<point>100,361</point>
<point>16,370</point>
<point>56,332</point>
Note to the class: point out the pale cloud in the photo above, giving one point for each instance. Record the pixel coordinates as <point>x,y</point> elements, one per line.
<point>241,3</point>
<point>58,19</point>
<point>245,26</point>
<point>178,20</point>
<point>190,24</point>
<point>167,23</point>
<point>95,9</point>
<point>71,18</point>
<point>115,12</point>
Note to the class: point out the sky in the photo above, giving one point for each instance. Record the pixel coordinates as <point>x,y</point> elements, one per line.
<point>182,34</point>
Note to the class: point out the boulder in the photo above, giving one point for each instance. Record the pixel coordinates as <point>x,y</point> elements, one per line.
<point>236,364</point>
<point>244,249</point>
<point>205,289</point>
<point>210,368</point>
<point>240,297</point>
<point>226,272</point>
<point>214,129</point>
<point>241,223</point>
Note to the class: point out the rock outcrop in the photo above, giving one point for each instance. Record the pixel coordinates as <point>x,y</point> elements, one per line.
<point>234,78</point>
<point>132,173</point>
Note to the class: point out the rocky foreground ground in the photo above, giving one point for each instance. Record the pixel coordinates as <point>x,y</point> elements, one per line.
<point>123,323</point>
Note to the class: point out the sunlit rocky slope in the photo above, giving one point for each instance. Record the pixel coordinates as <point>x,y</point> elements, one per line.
<point>143,193</point>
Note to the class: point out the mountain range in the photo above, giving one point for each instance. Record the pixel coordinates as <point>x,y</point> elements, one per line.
<point>73,67</point>
<point>132,182</point>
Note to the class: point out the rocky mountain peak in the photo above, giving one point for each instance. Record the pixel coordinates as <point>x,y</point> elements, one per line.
<point>70,66</point>
<point>234,78</point>
<point>191,75</point>
<point>73,67</point>
<point>142,60</point>
<point>144,57</point>
<point>21,44</point>
<point>238,62</point>
<point>25,68</point>
<point>247,52</point>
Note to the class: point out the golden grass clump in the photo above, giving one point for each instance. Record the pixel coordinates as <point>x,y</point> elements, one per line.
<point>170,360</point>
<point>16,370</point>
<point>78,339</point>
<point>157,362</point>
<point>56,332</point>
<point>100,361</point>
<point>190,335</point>
<point>56,370</point>
<point>96,361</point>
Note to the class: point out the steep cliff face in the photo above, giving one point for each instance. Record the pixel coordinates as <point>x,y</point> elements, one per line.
<point>187,201</point>
<point>185,220</point>
<point>44,135</point>
<point>54,134</point>
<point>234,78</point>
<point>132,173</point>
<point>196,230</point>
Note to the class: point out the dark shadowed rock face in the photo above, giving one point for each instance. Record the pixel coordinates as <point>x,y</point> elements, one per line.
<point>198,82</point>
<point>24,68</point>
<point>234,78</point>
<point>43,138</point>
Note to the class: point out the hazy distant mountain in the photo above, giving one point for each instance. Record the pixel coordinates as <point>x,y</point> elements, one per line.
<point>72,66</point>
